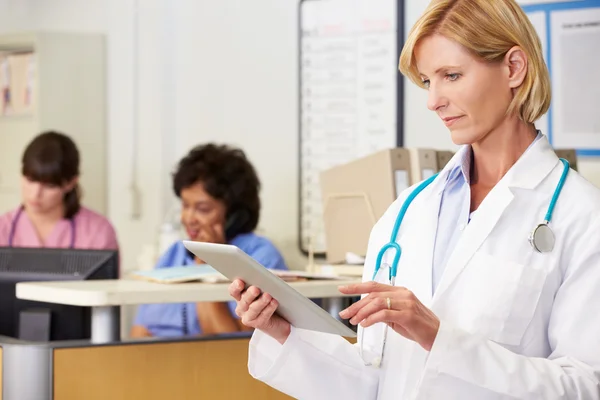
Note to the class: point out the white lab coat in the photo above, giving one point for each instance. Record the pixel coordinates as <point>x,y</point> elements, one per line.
<point>515,324</point>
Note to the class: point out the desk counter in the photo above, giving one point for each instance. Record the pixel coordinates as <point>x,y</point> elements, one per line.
<point>104,296</point>
<point>99,293</point>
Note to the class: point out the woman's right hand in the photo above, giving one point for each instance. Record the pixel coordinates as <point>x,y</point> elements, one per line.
<point>258,311</point>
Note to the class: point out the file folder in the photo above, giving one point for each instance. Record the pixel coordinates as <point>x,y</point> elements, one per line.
<point>443,157</point>
<point>423,164</point>
<point>356,194</point>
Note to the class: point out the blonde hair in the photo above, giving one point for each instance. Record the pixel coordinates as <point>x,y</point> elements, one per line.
<point>488,29</point>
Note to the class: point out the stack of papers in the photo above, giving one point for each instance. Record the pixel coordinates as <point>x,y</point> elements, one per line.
<point>206,273</point>
<point>203,273</point>
<point>341,270</point>
<point>303,275</point>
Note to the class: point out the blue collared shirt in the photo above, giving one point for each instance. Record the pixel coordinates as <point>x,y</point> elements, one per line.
<point>454,213</point>
<point>167,320</point>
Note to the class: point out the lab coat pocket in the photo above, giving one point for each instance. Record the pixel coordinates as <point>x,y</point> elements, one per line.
<point>509,293</point>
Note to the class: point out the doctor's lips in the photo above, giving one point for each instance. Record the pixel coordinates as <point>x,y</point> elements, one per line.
<point>449,121</point>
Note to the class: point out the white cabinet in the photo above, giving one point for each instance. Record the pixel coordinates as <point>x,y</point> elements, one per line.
<point>68,95</point>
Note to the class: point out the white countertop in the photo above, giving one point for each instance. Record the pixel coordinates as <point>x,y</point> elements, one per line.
<point>96,293</point>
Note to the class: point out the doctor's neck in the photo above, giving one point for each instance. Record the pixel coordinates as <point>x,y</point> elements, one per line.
<point>499,150</point>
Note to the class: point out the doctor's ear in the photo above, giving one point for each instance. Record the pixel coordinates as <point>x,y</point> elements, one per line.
<point>516,62</point>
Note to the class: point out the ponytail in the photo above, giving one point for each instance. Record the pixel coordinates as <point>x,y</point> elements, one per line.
<point>72,203</point>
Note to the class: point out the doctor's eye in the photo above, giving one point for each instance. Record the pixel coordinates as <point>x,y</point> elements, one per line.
<point>452,77</point>
<point>425,83</point>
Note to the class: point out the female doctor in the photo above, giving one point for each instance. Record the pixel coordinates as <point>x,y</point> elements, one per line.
<point>51,214</point>
<point>495,295</point>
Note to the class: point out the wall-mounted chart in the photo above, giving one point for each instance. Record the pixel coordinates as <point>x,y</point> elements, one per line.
<point>350,93</point>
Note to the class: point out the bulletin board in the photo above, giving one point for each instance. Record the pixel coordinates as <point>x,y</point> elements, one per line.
<point>17,83</point>
<point>570,36</point>
<point>351,94</point>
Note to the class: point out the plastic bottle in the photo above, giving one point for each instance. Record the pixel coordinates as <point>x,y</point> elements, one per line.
<point>171,229</point>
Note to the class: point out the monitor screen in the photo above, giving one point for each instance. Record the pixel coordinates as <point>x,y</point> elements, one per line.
<point>43,264</point>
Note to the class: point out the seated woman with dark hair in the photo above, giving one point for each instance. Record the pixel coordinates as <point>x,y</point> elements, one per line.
<point>50,213</point>
<point>219,192</point>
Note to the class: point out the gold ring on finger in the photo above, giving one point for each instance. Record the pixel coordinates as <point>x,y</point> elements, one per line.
<point>389,303</point>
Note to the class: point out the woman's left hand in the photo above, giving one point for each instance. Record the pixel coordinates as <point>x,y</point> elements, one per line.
<point>396,306</point>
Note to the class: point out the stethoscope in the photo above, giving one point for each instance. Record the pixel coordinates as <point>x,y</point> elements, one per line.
<point>13,229</point>
<point>542,238</point>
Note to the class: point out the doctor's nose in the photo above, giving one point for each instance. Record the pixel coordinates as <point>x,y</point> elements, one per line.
<point>435,99</point>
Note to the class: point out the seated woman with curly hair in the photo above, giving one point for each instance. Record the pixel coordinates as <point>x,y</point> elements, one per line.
<point>219,192</point>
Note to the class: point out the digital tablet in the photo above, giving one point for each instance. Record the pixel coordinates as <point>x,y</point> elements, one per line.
<point>299,310</point>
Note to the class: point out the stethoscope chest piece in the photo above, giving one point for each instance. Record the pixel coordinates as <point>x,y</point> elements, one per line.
<point>542,238</point>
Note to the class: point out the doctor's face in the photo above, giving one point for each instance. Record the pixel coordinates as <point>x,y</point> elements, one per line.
<point>200,211</point>
<point>42,198</point>
<point>471,96</point>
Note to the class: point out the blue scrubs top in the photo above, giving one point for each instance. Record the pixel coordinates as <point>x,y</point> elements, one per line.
<point>167,320</point>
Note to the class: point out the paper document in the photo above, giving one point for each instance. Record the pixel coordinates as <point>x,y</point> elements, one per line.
<point>532,2</point>
<point>208,274</point>
<point>354,259</point>
<point>21,83</point>
<point>576,99</point>
<point>289,276</point>
<point>181,274</point>
<point>401,178</point>
<point>4,84</point>
<point>427,173</point>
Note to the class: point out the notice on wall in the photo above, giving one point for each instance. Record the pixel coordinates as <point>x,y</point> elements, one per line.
<point>534,2</point>
<point>348,94</point>
<point>17,83</point>
<point>576,96</point>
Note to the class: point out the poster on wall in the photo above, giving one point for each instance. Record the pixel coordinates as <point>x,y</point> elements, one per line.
<point>570,33</point>
<point>576,56</point>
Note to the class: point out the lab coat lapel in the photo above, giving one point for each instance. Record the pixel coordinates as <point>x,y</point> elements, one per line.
<point>490,211</point>
<point>533,166</point>
<point>424,239</point>
<point>421,274</point>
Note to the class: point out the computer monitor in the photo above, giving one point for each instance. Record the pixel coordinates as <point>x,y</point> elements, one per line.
<point>43,264</point>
